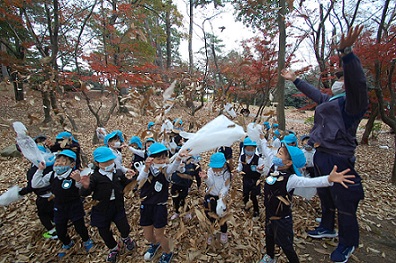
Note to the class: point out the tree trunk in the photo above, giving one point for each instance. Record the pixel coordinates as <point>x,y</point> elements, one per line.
<point>18,86</point>
<point>190,35</point>
<point>370,123</point>
<point>280,87</point>
<point>46,107</point>
<point>168,37</point>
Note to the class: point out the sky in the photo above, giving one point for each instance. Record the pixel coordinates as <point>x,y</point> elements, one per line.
<point>232,35</point>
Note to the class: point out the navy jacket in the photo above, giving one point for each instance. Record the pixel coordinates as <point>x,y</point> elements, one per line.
<point>336,121</point>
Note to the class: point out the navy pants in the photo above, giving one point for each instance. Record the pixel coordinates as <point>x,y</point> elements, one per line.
<point>336,197</point>
<point>280,232</point>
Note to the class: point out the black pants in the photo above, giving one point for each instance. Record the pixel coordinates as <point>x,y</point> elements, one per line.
<point>79,226</point>
<point>45,211</point>
<point>336,197</point>
<point>280,232</point>
<point>179,194</point>
<point>251,189</point>
<point>210,204</point>
<point>107,234</point>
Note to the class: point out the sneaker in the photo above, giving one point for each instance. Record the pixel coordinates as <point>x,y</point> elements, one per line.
<point>256,214</point>
<point>88,244</point>
<point>223,238</point>
<point>318,219</point>
<point>65,249</point>
<point>129,243</point>
<point>188,217</point>
<point>174,216</point>
<point>150,253</point>
<point>166,258</point>
<point>210,240</point>
<point>321,232</point>
<point>267,259</point>
<point>51,234</point>
<point>342,253</point>
<point>113,254</point>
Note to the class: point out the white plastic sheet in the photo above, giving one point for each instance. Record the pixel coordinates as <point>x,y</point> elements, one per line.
<point>230,110</point>
<point>27,145</point>
<point>220,207</point>
<point>219,132</point>
<point>10,196</point>
<point>253,131</point>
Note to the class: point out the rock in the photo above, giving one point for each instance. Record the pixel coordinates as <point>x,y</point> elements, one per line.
<point>10,151</point>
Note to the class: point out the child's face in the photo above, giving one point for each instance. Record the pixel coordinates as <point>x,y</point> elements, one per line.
<point>163,159</point>
<point>148,144</point>
<point>113,141</point>
<point>217,170</point>
<point>284,155</point>
<point>105,164</point>
<point>134,145</point>
<point>250,148</point>
<point>63,161</point>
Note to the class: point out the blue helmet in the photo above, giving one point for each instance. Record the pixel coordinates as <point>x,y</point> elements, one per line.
<point>103,154</point>
<point>150,124</point>
<point>298,158</point>
<point>65,135</point>
<point>137,141</point>
<point>178,120</point>
<point>113,134</point>
<point>249,142</point>
<point>267,125</point>
<point>217,160</point>
<point>290,138</point>
<point>156,148</point>
<point>68,153</point>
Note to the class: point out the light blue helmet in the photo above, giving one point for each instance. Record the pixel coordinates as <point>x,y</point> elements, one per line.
<point>103,154</point>
<point>297,156</point>
<point>68,153</point>
<point>150,124</point>
<point>137,141</point>
<point>290,139</point>
<point>217,160</point>
<point>249,142</point>
<point>156,148</point>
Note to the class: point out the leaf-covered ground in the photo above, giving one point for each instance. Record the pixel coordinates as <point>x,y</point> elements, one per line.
<point>21,232</point>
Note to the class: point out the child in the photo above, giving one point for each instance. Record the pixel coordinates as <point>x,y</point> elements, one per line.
<point>138,153</point>
<point>154,178</point>
<point>278,193</point>
<point>181,182</point>
<point>114,141</point>
<point>65,140</point>
<point>67,201</point>
<point>309,152</point>
<point>250,164</point>
<point>218,182</point>
<point>107,184</point>
<point>44,202</point>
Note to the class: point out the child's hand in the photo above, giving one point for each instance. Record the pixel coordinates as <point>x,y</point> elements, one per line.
<point>130,174</point>
<point>148,163</point>
<point>41,166</point>
<point>183,153</point>
<point>203,175</point>
<point>75,175</point>
<point>340,177</point>
<point>85,181</point>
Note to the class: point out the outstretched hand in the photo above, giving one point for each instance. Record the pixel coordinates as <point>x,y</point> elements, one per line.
<point>288,74</point>
<point>340,177</point>
<point>350,38</point>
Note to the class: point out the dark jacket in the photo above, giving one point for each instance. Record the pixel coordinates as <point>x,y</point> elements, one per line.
<point>336,121</point>
<point>102,186</point>
<point>29,189</point>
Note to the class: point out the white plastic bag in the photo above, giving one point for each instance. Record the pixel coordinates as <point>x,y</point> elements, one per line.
<point>101,133</point>
<point>306,192</point>
<point>27,145</point>
<point>253,131</point>
<point>220,208</point>
<point>219,132</point>
<point>10,196</point>
<point>230,110</point>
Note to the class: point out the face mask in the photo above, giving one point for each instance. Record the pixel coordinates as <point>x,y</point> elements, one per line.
<point>277,161</point>
<point>337,88</point>
<point>249,153</point>
<point>117,145</point>
<point>109,168</point>
<point>159,165</point>
<point>61,169</point>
